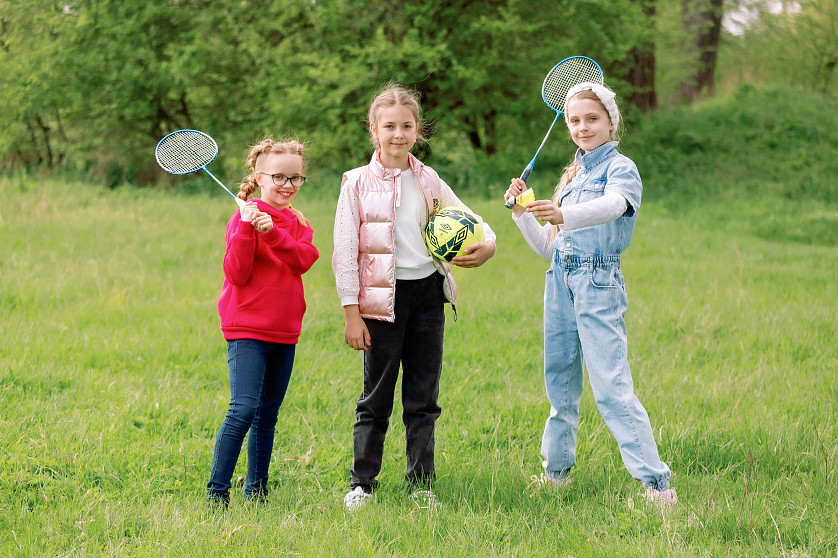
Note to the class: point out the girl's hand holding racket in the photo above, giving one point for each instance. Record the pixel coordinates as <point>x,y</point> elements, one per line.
<point>260,220</point>
<point>516,188</point>
<point>249,211</point>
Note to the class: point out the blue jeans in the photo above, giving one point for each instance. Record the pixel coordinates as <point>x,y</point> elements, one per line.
<point>259,374</point>
<point>584,307</point>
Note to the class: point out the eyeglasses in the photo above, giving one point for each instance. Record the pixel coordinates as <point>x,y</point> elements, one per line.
<point>281,179</point>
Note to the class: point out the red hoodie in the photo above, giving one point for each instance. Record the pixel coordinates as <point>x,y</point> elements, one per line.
<point>262,296</point>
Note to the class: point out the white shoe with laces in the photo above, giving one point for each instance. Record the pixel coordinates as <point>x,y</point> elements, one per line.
<point>356,499</point>
<point>661,498</point>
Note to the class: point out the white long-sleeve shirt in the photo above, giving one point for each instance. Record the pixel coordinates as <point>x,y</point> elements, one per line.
<point>595,212</point>
<point>413,261</point>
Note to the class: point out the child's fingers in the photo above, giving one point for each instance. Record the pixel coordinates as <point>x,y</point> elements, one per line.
<point>516,187</point>
<point>249,211</point>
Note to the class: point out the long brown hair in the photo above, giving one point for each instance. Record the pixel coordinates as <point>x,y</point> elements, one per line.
<point>265,147</point>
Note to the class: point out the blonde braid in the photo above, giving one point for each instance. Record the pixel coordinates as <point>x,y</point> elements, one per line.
<point>268,145</point>
<point>568,174</point>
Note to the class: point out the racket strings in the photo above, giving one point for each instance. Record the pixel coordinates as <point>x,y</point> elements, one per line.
<point>564,76</point>
<point>186,152</point>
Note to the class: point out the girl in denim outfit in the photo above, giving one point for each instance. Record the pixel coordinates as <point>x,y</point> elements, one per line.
<point>392,291</point>
<point>269,247</point>
<point>589,223</point>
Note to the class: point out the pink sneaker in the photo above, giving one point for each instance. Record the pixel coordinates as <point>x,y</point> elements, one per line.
<point>661,498</point>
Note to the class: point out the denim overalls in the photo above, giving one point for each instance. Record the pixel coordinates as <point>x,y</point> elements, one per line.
<point>584,307</point>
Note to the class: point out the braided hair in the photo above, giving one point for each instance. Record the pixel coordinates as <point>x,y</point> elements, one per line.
<point>265,147</point>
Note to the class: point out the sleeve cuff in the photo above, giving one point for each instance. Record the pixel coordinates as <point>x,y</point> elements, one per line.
<point>349,300</point>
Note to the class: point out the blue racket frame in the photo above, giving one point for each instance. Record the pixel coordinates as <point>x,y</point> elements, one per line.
<point>560,99</point>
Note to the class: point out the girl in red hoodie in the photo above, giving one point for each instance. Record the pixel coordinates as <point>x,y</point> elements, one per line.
<point>269,247</point>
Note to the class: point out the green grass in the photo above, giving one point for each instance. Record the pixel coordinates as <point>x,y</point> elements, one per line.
<point>113,383</point>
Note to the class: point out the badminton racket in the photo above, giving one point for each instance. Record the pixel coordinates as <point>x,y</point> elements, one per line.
<point>559,80</point>
<point>187,151</point>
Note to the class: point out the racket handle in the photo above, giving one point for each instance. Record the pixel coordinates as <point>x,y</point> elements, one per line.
<point>524,176</point>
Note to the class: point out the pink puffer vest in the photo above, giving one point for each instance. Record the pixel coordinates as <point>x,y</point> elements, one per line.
<point>376,190</point>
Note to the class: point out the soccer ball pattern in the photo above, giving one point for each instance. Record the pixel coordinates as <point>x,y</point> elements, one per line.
<point>451,230</point>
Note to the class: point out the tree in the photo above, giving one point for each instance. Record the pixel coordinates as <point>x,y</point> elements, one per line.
<point>31,36</point>
<point>792,43</point>
<point>641,75</point>
<point>702,25</point>
<point>115,76</point>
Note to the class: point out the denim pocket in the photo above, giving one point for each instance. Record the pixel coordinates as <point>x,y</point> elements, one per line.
<point>605,277</point>
<point>591,190</point>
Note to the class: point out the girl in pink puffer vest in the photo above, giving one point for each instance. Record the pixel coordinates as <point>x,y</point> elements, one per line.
<point>393,291</point>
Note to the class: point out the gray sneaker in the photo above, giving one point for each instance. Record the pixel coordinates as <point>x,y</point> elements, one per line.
<point>356,499</point>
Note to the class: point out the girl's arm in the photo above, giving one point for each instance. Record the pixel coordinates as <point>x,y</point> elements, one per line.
<point>536,235</point>
<point>478,253</point>
<point>449,198</point>
<point>299,254</point>
<point>623,190</point>
<point>241,248</point>
<point>345,256</point>
<point>345,267</point>
<point>605,209</point>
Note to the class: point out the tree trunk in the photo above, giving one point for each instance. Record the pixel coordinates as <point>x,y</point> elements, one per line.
<point>703,24</point>
<point>45,131</point>
<point>642,73</point>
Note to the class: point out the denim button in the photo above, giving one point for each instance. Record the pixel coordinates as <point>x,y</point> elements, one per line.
<point>567,244</point>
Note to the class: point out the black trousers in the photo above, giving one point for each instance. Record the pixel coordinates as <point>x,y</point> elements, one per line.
<point>414,340</point>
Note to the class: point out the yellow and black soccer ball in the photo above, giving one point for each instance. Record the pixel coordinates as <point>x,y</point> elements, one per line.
<point>451,230</point>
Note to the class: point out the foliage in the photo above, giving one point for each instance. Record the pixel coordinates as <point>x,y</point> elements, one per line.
<point>798,45</point>
<point>113,77</point>
<point>773,140</point>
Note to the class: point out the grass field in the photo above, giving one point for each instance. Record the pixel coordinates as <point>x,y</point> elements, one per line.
<point>113,383</point>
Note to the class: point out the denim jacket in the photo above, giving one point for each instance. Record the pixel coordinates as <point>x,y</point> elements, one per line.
<point>603,170</point>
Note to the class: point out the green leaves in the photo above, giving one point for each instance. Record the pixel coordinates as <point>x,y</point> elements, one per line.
<point>97,84</point>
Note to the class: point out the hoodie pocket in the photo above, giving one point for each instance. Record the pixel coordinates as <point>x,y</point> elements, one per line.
<point>272,309</point>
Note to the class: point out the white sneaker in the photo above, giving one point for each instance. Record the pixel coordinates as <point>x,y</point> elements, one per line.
<point>357,498</point>
<point>425,499</point>
<point>661,498</point>
<point>546,481</point>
